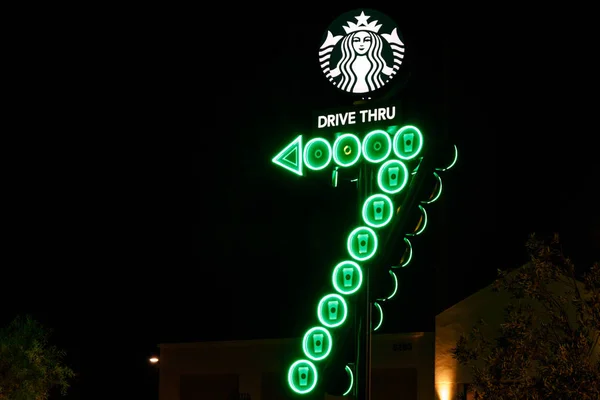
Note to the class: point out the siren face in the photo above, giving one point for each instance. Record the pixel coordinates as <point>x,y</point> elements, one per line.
<point>361,51</point>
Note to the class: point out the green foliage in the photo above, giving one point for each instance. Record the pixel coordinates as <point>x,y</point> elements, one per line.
<point>547,346</point>
<point>29,367</point>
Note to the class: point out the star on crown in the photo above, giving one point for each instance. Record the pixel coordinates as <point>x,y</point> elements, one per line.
<point>362,24</point>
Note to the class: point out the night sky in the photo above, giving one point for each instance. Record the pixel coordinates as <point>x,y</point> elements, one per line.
<point>109,267</point>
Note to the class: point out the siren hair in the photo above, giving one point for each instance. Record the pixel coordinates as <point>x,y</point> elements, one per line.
<point>375,57</point>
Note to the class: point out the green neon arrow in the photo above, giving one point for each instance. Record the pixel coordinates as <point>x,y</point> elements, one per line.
<point>290,157</point>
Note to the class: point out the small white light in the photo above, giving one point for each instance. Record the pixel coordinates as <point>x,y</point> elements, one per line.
<point>154,360</point>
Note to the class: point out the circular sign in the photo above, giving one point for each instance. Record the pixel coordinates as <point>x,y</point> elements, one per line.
<point>361,51</point>
<point>347,277</point>
<point>408,142</point>
<point>332,310</point>
<point>346,150</point>
<point>378,210</point>
<point>317,343</point>
<point>302,376</point>
<point>362,243</point>
<point>377,146</point>
<point>317,154</point>
<point>392,176</point>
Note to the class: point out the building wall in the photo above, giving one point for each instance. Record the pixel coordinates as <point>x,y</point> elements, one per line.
<point>390,352</point>
<point>449,325</point>
<point>461,318</point>
<point>209,386</point>
<point>190,371</point>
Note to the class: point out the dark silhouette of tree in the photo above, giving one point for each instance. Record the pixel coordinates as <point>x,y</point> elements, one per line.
<point>30,368</point>
<point>547,347</point>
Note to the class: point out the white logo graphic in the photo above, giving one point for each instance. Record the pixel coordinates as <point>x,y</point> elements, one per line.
<point>362,60</point>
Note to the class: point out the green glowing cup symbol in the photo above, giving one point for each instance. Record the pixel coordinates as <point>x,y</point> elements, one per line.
<point>362,243</point>
<point>378,210</point>
<point>347,277</point>
<point>346,150</point>
<point>317,154</point>
<point>392,176</point>
<point>317,343</point>
<point>302,376</point>
<point>332,310</point>
<point>408,142</point>
<point>377,146</point>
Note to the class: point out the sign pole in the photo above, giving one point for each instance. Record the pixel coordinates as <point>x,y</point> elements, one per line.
<point>363,363</point>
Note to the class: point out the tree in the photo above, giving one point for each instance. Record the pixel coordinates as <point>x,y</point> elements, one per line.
<point>29,367</point>
<point>547,346</point>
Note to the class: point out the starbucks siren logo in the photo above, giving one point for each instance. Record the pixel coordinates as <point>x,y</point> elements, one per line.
<point>361,59</point>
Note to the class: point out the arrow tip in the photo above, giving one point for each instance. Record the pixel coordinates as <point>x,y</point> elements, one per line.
<point>290,157</point>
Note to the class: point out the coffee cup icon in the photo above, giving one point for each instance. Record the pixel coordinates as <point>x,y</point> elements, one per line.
<point>408,140</point>
<point>363,243</point>
<point>332,309</point>
<point>347,277</point>
<point>318,343</point>
<point>393,173</point>
<point>378,210</point>
<point>348,274</point>
<point>392,176</point>
<point>303,376</point>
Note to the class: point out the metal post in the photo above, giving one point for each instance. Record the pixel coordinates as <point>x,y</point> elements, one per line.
<point>363,362</point>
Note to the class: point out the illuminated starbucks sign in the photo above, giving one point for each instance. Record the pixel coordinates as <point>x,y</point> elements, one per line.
<point>362,51</point>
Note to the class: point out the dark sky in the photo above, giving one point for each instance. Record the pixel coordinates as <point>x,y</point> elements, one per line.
<point>109,267</point>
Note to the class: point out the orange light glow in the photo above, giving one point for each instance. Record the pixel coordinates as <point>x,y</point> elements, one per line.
<point>444,391</point>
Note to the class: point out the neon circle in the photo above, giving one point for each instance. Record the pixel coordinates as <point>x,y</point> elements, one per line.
<point>377,146</point>
<point>317,154</point>
<point>378,210</point>
<point>404,142</point>
<point>347,277</point>
<point>346,150</point>
<point>302,376</point>
<point>392,176</point>
<point>317,343</point>
<point>332,310</point>
<point>362,243</point>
